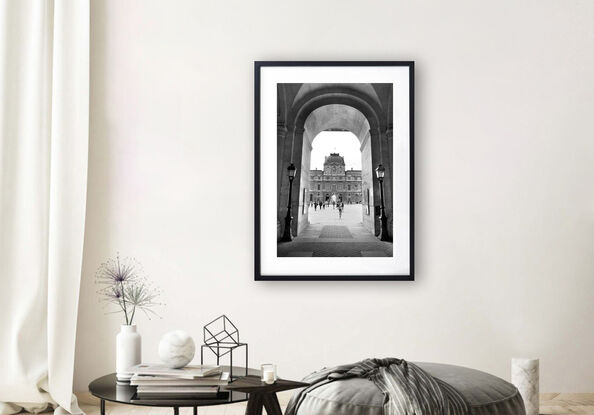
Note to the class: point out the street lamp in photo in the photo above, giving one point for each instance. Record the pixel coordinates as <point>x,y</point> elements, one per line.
<point>287,236</point>
<point>380,172</point>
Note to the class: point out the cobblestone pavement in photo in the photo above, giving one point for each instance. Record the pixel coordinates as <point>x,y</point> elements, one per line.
<point>334,231</point>
<point>328,235</point>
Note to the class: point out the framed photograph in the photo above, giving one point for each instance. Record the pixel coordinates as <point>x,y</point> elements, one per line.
<point>334,170</point>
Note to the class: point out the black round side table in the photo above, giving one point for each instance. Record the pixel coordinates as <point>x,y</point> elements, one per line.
<point>106,388</point>
<point>247,388</point>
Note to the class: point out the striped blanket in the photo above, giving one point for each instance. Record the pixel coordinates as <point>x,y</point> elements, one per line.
<point>408,389</point>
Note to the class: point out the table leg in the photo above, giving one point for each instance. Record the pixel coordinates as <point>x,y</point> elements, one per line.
<point>255,404</point>
<point>195,410</point>
<point>271,404</point>
<point>102,407</point>
<point>175,410</point>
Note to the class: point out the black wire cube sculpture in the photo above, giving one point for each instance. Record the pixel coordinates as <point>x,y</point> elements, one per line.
<point>221,337</point>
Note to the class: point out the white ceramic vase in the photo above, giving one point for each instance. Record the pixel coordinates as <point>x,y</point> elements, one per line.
<point>128,351</point>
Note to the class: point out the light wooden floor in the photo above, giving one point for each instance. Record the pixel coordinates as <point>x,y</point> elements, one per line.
<point>550,403</point>
<point>567,403</point>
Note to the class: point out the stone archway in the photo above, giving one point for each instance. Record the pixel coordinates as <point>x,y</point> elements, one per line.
<point>345,118</point>
<point>305,110</point>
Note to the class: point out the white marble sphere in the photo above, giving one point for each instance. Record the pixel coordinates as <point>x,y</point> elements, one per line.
<point>176,349</point>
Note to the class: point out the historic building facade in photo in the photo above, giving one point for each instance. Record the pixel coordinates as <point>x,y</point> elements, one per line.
<point>335,182</point>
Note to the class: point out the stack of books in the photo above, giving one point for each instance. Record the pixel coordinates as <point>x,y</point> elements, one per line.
<point>159,383</point>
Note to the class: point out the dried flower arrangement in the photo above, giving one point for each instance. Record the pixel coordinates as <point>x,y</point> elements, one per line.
<point>124,284</point>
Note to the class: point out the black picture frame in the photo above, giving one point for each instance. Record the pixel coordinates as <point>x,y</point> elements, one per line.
<point>258,65</point>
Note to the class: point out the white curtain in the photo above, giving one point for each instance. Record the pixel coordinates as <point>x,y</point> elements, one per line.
<point>44,98</point>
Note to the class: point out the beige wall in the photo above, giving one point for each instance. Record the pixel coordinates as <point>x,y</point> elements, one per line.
<point>504,178</point>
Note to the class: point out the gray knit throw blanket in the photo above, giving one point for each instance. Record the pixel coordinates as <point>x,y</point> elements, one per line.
<point>408,389</point>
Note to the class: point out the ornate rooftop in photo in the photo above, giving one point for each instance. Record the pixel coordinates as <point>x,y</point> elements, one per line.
<point>335,158</point>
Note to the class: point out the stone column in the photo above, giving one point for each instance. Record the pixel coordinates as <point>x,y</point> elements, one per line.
<point>282,147</point>
<point>292,152</point>
<point>367,182</point>
<point>284,141</point>
<point>305,182</point>
<point>376,159</point>
<point>298,148</point>
<point>388,162</point>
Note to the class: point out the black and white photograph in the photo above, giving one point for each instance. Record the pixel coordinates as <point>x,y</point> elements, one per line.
<point>340,200</point>
<point>336,169</point>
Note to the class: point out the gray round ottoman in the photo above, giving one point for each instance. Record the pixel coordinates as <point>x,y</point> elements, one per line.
<point>485,394</point>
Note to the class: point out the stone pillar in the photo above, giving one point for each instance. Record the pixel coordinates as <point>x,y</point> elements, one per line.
<point>305,182</point>
<point>367,182</point>
<point>284,141</point>
<point>388,162</point>
<point>281,148</point>
<point>376,160</point>
<point>300,176</point>
<point>292,152</point>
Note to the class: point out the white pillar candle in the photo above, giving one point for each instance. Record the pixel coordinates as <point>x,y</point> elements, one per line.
<point>268,376</point>
<point>524,376</point>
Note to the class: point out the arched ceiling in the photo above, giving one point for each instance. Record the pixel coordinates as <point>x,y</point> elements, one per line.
<point>336,117</point>
<point>366,89</point>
